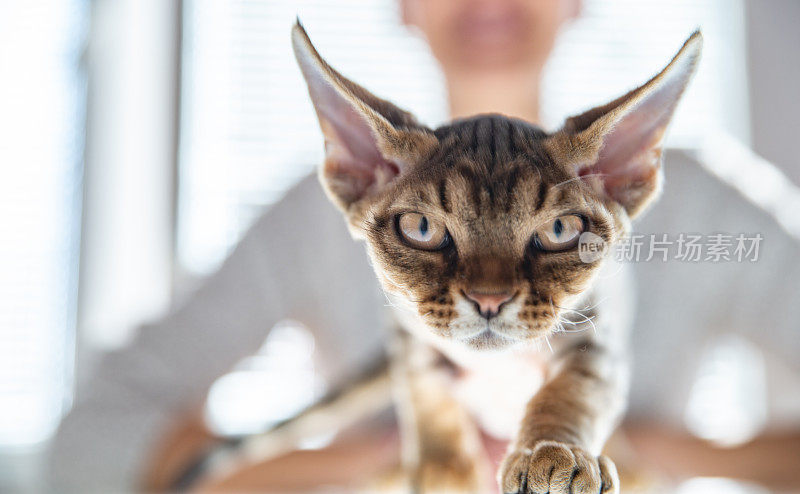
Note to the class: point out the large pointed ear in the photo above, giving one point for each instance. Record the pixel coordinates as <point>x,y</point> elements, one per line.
<point>617,147</point>
<point>368,141</point>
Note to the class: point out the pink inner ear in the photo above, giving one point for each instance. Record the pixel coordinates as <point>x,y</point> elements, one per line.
<point>352,157</point>
<point>641,129</point>
<point>630,155</point>
<point>351,146</point>
<point>350,131</point>
<point>352,153</point>
<point>636,133</point>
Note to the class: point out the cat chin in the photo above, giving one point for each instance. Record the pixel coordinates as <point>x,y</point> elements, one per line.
<point>489,340</point>
<point>505,338</point>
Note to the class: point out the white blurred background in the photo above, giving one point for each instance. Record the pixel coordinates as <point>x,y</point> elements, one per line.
<point>140,138</point>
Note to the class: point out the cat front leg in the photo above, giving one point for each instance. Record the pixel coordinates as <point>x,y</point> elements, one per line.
<point>441,445</point>
<point>566,424</point>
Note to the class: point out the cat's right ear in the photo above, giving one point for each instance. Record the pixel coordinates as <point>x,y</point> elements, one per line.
<point>617,147</point>
<point>369,142</point>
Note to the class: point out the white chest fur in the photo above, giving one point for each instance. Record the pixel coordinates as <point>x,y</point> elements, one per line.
<point>496,387</point>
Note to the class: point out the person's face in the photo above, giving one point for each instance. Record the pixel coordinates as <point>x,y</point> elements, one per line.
<point>479,35</point>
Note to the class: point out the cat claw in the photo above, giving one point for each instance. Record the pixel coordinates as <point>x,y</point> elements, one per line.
<point>557,468</point>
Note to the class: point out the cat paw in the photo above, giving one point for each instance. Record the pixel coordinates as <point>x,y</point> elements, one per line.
<point>557,468</point>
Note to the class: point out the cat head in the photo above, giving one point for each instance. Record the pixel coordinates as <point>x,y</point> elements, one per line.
<point>475,226</point>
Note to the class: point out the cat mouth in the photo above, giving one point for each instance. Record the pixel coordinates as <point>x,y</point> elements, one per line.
<point>488,338</point>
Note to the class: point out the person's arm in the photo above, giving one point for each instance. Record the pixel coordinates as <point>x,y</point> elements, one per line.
<point>177,448</point>
<point>281,269</point>
<point>136,393</point>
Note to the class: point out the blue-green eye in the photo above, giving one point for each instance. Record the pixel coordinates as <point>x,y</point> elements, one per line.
<point>559,234</point>
<point>421,232</point>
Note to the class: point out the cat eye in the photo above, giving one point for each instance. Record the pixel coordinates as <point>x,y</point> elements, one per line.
<point>559,234</point>
<point>421,232</point>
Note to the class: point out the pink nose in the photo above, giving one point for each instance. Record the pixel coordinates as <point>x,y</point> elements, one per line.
<point>489,304</point>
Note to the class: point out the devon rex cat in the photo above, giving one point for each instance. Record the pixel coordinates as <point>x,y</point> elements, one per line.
<point>474,230</point>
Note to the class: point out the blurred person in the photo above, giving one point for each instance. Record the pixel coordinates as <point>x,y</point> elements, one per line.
<point>493,54</point>
<point>278,272</point>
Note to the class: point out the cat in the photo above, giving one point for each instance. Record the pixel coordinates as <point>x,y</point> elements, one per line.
<point>473,230</point>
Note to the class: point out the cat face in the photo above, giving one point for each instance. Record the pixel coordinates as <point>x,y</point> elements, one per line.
<point>474,227</point>
<point>481,238</point>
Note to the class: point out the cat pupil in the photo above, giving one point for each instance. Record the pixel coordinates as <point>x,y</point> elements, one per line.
<point>558,227</point>
<point>423,226</point>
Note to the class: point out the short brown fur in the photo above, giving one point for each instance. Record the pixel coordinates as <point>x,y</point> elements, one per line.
<point>492,181</point>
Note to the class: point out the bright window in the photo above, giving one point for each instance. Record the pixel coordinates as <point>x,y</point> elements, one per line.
<point>42,94</point>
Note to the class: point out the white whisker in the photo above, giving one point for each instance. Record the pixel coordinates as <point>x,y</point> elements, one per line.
<point>580,178</point>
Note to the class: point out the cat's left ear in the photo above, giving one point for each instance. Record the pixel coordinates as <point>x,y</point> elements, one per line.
<point>368,141</point>
<point>617,147</point>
